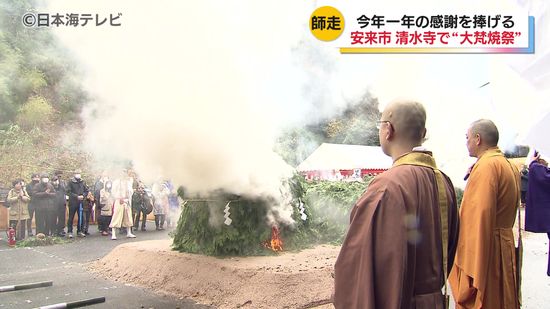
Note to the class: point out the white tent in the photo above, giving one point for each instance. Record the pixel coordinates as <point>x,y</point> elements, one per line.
<point>345,157</point>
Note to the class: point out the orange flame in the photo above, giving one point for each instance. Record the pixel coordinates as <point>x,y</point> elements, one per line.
<point>276,243</point>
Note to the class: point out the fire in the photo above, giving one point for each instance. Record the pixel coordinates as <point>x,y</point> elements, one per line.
<point>276,243</point>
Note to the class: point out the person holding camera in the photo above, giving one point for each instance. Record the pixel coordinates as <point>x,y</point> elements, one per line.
<point>141,206</point>
<point>18,201</point>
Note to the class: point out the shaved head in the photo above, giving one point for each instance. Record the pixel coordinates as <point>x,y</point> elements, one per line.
<point>408,118</point>
<point>487,130</point>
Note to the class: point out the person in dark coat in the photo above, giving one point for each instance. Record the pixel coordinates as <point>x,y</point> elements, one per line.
<point>60,205</point>
<point>140,201</point>
<point>87,209</point>
<point>524,184</point>
<point>537,208</point>
<point>44,195</point>
<point>77,191</point>
<point>35,179</point>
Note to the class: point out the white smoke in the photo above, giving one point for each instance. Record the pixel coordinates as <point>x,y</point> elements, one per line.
<point>196,91</point>
<point>183,89</point>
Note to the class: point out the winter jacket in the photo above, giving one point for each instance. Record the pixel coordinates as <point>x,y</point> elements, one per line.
<point>75,188</point>
<point>106,202</point>
<point>59,201</point>
<point>19,207</point>
<point>89,202</point>
<point>140,201</point>
<point>29,188</point>
<point>43,195</point>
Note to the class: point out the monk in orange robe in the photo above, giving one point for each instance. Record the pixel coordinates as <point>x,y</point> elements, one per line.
<point>404,228</point>
<point>484,274</point>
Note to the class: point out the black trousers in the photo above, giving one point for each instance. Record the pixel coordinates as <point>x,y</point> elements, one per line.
<point>104,222</point>
<point>40,220</point>
<point>73,209</point>
<point>19,233</point>
<point>85,221</point>
<point>97,215</point>
<point>136,213</point>
<point>29,221</point>
<point>45,221</point>
<point>51,223</point>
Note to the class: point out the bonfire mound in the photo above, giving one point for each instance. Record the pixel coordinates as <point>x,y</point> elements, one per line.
<point>289,280</point>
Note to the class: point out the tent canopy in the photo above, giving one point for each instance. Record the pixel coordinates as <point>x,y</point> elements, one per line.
<point>345,157</point>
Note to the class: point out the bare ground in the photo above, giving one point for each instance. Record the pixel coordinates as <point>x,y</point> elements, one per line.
<point>288,280</point>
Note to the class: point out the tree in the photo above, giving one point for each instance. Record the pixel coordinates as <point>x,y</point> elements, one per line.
<point>33,64</point>
<point>37,112</point>
<point>294,145</point>
<point>40,91</point>
<point>356,125</point>
<point>37,150</point>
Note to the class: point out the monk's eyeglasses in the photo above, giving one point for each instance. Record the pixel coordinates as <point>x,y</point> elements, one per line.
<point>380,122</point>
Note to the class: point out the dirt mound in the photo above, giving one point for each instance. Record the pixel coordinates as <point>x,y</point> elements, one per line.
<point>289,280</point>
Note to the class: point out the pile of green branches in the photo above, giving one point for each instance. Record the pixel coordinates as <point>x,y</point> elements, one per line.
<point>326,204</point>
<point>37,242</point>
<point>330,204</point>
<point>201,229</point>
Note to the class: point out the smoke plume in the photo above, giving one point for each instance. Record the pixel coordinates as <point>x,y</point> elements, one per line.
<point>183,89</point>
<point>197,91</point>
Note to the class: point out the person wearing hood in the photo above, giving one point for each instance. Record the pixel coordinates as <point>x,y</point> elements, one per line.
<point>35,179</point>
<point>77,191</point>
<point>44,195</point>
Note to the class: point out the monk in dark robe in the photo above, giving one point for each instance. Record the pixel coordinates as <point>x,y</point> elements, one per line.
<point>537,209</point>
<point>484,273</point>
<point>403,229</point>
